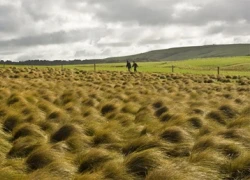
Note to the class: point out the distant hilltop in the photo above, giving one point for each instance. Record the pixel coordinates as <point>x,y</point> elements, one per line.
<point>191,52</point>
<point>171,54</point>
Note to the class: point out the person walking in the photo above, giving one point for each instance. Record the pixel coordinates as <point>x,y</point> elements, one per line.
<point>128,66</point>
<point>135,66</point>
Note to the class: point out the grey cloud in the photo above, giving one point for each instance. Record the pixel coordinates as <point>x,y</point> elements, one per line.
<point>156,41</point>
<point>162,12</point>
<point>114,44</point>
<point>134,11</point>
<point>40,10</point>
<point>9,20</point>
<point>59,37</point>
<point>88,53</point>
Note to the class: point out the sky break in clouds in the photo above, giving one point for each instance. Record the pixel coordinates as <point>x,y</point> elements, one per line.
<point>89,29</point>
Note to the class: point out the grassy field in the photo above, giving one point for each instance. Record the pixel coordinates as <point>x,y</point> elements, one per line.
<point>228,66</point>
<point>77,124</point>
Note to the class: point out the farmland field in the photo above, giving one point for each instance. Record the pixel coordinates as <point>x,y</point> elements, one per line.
<point>79,124</point>
<point>228,66</point>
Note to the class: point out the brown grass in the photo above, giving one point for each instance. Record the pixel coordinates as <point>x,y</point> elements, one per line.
<point>76,124</point>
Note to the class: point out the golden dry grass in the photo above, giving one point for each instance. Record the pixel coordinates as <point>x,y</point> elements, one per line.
<point>73,124</point>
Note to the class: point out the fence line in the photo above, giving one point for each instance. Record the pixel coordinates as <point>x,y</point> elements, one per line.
<point>172,69</point>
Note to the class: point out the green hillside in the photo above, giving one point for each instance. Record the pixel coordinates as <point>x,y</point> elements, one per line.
<point>192,52</point>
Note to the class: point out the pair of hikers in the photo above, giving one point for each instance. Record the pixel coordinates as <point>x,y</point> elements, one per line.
<point>134,66</point>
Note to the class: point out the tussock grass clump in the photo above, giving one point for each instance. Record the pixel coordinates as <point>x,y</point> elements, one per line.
<point>167,173</point>
<point>141,163</point>
<point>27,130</point>
<point>40,158</point>
<point>7,173</point>
<point>92,159</point>
<point>141,144</point>
<point>204,143</point>
<point>90,176</point>
<point>108,108</point>
<point>13,99</point>
<point>145,114</point>
<point>240,135</point>
<point>228,111</point>
<point>216,116</point>
<point>239,167</point>
<point>56,170</point>
<point>196,122</point>
<point>174,134</point>
<point>11,122</point>
<point>131,108</point>
<point>230,150</point>
<point>77,143</point>
<point>198,111</point>
<point>125,119</point>
<point>22,147</point>
<point>158,104</point>
<point>166,117</point>
<point>160,111</point>
<point>64,132</point>
<point>48,127</point>
<point>105,137</point>
<point>115,169</point>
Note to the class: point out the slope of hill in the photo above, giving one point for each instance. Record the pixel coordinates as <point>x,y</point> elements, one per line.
<point>192,52</point>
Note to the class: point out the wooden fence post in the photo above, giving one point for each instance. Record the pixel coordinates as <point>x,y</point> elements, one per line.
<point>94,67</point>
<point>172,68</point>
<point>218,71</point>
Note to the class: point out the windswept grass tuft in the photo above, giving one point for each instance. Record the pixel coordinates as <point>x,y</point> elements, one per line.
<point>11,122</point>
<point>65,132</point>
<point>22,147</point>
<point>108,108</point>
<point>174,134</point>
<point>92,159</point>
<point>40,158</point>
<point>141,163</point>
<point>141,144</point>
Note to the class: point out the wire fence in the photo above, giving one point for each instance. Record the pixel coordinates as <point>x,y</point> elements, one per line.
<point>219,70</point>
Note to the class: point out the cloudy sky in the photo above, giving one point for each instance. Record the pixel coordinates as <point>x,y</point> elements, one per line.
<point>86,29</point>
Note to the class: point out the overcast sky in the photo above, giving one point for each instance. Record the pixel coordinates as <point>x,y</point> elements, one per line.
<point>86,29</point>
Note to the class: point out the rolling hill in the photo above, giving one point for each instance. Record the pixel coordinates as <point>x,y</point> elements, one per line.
<point>192,52</point>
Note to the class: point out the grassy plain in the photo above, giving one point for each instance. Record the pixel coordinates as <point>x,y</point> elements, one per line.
<point>228,66</point>
<point>78,124</point>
